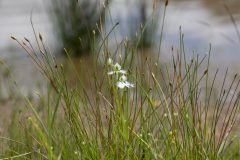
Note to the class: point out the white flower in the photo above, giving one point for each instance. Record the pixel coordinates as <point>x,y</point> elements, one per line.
<point>125,84</point>
<point>129,85</point>
<point>122,71</point>
<point>117,69</point>
<point>111,72</point>
<point>121,84</point>
<point>116,72</point>
<point>123,78</point>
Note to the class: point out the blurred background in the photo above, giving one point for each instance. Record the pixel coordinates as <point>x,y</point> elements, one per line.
<point>63,24</point>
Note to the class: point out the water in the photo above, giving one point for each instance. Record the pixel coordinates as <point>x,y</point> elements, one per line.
<point>202,21</point>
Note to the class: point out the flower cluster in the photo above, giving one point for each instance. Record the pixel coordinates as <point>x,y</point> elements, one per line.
<point>120,75</point>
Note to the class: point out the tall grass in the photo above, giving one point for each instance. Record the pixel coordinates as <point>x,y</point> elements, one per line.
<point>124,109</point>
<point>146,119</point>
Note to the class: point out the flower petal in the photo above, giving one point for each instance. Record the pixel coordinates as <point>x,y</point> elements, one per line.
<point>111,72</point>
<point>129,85</point>
<point>117,67</point>
<point>122,71</point>
<point>121,85</point>
<point>123,78</point>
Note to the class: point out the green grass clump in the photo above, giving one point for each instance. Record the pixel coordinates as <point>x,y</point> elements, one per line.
<point>125,107</point>
<point>125,111</point>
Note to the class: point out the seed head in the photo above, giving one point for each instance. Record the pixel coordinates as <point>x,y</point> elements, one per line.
<point>13,38</point>
<point>40,36</point>
<point>26,39</point>
<point>166,2</point>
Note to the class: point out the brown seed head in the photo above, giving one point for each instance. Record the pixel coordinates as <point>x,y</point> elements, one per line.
<point>13,38</point>
<point>166,2</point>
<point>26,39</point>
<point>40,36</point>
<point>205,72</point>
